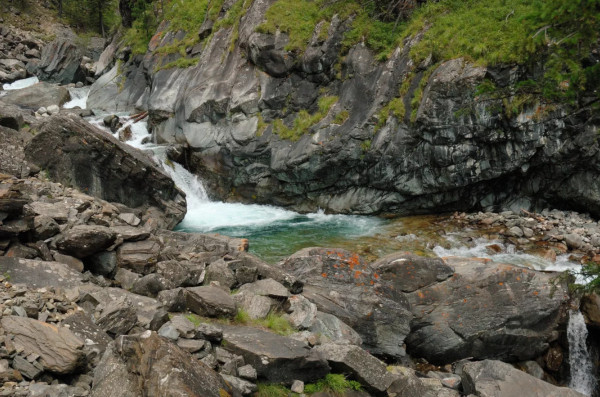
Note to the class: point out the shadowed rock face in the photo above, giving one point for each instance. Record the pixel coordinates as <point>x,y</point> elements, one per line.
<point>486,310</point>
<point>79,155</point>
<point>452,150</point>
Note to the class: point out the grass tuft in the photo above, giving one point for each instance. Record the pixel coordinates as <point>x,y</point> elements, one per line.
<point>332,383</point>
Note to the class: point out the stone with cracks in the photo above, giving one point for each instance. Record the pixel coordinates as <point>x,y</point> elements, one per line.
<point>60,351</point>
<point>40,274</point>
<point>267,287</point>
<point>149,365</point>
<point>275,358</point>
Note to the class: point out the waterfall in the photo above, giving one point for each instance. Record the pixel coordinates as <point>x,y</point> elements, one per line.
<point>78,98</point>
<point>580,362</point>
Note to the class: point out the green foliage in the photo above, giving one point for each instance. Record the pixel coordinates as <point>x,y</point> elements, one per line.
<point>304,120</point>
<point>99,16</point>
<point>274,321</point>
<point>485,32</point>
<point>590,273</point>
<point>270,390</point>
<point>194,318</point>
<point>261,126</point>
<point>341,117</point>
<point>332,383</point>
<point>180,63</point>
<point>366,145</point>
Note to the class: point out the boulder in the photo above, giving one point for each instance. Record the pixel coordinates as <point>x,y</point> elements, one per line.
<point>486,310</point>
<point>267,287</point>
<point>116,317</point>
<point>275,358</point>
<point>151,285</point>
<point>336,330</point>
<point>210,301</point>
<point>85,240</point>
<point>407,272</point>
<point>59,63</point>
<point>590,307</point>
<point>491,378</point>
<point>140,256</point>
<point>257,306</point>
<point>340,283</point>
<point>301,312</point>
<point>12,143</point>
<point>149,365</point>
<point>59,350</point>
<point>359,364</point>
<point>182,273</point>
<point>68,149</point>
<point>96,340</point>
<point>38,95</point>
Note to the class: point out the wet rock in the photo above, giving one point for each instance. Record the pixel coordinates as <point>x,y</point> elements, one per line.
<point>60,351</point>
<point>590,307</point>
<point>85,240</point>
<point>368,370</point>
<point>490,378</point>
<point>66,147</point>
<point>146,364</point>
<point>275,358</point>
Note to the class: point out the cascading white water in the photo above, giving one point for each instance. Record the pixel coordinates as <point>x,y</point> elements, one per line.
<point>580,362</point>
<point>78,98</point>
<point>20,84</point>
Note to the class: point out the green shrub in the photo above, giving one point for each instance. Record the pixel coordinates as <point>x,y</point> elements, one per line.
<point>270,390</point>
<point>332,383</point>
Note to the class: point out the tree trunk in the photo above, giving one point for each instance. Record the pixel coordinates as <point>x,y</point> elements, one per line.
<point>125,11</point>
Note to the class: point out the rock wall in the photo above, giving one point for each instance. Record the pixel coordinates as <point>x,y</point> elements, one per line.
<point>451,150</point>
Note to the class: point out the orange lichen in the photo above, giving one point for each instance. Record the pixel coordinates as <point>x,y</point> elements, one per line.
<point>324,275</point>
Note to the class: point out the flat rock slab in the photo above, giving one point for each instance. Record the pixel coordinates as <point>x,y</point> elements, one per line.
<point>361,365</point>
<point>38,95</point>
<point>40,274</point>
<point>59,349</point>
<point>148,365</point>
<point>275,357</point>
<point>491,378</point>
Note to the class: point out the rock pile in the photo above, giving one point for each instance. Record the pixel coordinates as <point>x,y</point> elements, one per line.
<point>547,233</point>
<point>17,48</point>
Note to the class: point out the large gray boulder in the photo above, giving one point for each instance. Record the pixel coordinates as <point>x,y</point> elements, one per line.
<point>59,350</point>
<point>60,63</point>
<point>340,283</point>
<point>77,154</point>
<point>491,378</point>
<point>85,240</point>
<point>487,310</point>
<point>148,365</point>
<point>39,95</point>
<point>275,358</point>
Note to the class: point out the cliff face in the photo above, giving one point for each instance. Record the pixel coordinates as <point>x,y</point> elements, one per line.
<point>378,136</point>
